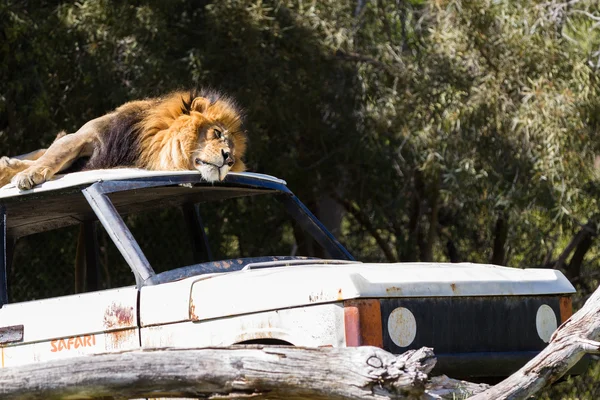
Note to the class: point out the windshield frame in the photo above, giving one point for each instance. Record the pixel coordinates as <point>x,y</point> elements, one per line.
<point>97,196</point>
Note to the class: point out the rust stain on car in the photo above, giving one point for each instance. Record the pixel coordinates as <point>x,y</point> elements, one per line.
<point>394,290</point>
<point>116,316</point>
<point>316,297</point>
<point>453,287</point>
<point>193,315</point>
<point>255,330</point>
<point>118,339</point>
<point>362,320</point>
<point>340,296</point>
<point>223,264</point>
<point>566,308</point>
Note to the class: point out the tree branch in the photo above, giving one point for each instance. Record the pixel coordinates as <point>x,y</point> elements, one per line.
<point>363,219</point>
<point>588,230</point>
<point>351,56</point>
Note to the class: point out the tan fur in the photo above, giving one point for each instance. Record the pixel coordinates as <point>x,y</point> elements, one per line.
<point>175,132</point>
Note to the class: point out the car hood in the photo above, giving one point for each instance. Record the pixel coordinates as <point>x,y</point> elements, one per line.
<point>255,290</point>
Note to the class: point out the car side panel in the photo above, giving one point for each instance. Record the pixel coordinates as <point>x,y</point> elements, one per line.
<point>70,326</point>
<point>318,325</point>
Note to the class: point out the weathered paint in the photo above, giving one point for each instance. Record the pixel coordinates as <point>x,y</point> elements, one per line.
<point>369,322</point>
<point>566,308</point>
<point>317,325</point>
<point>545,322</point>
<point>352,326</point>
<point>11,334</point>
<point>193,316</point>
<point>71,326</point>
<point>118,316</point>
<point>124,339</point>
<point>402,327</point>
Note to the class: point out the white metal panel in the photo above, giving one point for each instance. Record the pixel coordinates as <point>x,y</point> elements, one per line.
<point>459,279</point>
<point>275,288</point>
<point>76,315</point>
<point>87,177</point>
<point>68,347</point>
<point>318,325</point>
<point>166,303</point>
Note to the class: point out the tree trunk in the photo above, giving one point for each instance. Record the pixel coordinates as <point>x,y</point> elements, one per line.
<point>500,236</point>
<point>428,242</point>
<point>410,254</point>
<point>574,269</point>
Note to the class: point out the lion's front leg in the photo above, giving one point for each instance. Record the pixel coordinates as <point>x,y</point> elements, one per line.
<point>59,155</point>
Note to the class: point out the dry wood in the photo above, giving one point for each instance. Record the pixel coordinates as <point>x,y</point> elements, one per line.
<point>228,373</point>
<point>442,387</point>
<point>572,340</point>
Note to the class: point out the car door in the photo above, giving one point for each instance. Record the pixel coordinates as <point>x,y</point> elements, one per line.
<point>69,326</point>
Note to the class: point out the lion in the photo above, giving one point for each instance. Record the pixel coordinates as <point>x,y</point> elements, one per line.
<point>197,130</point>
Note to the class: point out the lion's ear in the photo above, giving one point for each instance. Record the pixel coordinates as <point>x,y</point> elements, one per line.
<point>200,104</point>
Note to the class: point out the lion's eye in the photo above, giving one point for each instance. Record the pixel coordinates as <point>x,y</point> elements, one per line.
<point>218,134</point>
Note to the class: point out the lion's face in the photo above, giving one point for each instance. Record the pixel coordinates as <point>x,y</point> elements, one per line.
<point>216,152</point>
<point>220,141</point>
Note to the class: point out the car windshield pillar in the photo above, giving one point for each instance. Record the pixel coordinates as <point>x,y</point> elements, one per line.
<point>302,215</point>
<point>118,232</point>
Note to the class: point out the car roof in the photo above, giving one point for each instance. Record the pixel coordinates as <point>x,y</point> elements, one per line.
<point>83,178</point>
<point>61,202</point>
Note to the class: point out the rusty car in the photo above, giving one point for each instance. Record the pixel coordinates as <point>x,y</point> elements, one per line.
<point>481,320</point>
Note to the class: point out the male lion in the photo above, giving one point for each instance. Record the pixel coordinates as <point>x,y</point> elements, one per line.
<point>180,131</point>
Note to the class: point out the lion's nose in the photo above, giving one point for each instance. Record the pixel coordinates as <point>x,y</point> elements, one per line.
<point>227,158</point>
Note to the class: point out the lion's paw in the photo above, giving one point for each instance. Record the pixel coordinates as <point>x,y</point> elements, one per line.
<point>12,163</point>
<point>6,170</point>
<point>29,178</point>
<point>4,162</point>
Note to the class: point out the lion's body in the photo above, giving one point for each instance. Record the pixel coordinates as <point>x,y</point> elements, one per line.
<point>180,131</point>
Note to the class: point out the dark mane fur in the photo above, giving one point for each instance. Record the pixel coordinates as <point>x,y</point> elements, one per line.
<point>120,146</point>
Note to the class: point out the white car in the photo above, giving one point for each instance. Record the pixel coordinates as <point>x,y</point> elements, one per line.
<point>483,321</point>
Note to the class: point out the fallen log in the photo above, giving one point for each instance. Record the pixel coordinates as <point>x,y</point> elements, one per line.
<point>237,372</point>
